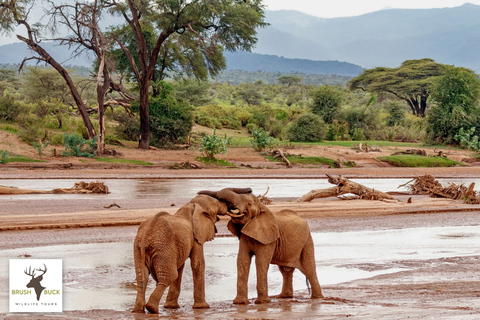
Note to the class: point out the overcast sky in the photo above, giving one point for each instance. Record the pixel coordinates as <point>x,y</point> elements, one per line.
<point>346,8</point>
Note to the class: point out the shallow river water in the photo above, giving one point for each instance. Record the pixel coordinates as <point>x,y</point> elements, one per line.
<point>157,188</point>
<point>101,275</point>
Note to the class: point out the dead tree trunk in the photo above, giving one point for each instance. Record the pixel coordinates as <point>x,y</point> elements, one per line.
<point>344,186</point>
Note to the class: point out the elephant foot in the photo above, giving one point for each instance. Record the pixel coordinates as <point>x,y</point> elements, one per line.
<point>239,300</point>
<point>171,305</point>
<point>151,308</point>
<point>200,305</point>
<point>138,310</point>
<point>318,296</point>
<point>263,300</point>
<point>284,296</point>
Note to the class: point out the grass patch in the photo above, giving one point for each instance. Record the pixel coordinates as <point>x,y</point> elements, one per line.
<point>307,160</point>
<point>6,157</point>
<point>214,162</point>
<point>419,161</point>
<point>125,161</point>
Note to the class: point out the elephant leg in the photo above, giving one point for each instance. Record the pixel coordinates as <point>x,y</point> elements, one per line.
<point>287,288</point>
<point>141,288</point>
<point>263,257</point>
<point>174,291</point>
<point>309,269</point>
<point>244,259</point>
<point>197,261</point>
<point>165,275</point>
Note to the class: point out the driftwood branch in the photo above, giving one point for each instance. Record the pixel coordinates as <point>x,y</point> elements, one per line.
<point>279,153</point>
<point>345,186</point>
<point>430,186</point>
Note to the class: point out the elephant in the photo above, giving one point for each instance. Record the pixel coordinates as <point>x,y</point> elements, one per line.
<point>282,238</point>
<point>164,242</point>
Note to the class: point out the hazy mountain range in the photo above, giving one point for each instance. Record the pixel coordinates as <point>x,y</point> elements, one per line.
<point>297,42</point>
<point>382,38</point>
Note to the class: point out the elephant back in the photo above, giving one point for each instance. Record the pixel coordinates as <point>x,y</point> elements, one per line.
<point>294,236</point>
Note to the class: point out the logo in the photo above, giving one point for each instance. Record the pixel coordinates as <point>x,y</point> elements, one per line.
<point>36,285</point>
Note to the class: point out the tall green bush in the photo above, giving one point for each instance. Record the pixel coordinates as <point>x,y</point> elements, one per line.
<point>455,94</point>
<point>308,127</point>
<point>262,140</point>
<point>213,145</point>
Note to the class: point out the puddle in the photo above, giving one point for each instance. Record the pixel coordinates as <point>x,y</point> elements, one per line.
<point>101,275</point>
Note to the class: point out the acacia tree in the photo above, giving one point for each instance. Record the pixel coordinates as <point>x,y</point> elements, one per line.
<point>410,82</point>
<point>200,29</point>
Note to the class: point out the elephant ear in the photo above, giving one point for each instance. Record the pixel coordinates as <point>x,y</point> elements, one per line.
<point>235,229</point>
<point>203,226</point>
<point>263,228</point>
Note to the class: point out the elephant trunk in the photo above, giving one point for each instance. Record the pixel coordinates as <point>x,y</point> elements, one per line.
<point>230,196</point>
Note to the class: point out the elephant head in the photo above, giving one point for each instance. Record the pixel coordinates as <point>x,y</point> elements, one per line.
<point>249,216</point>
<point>203,210</point>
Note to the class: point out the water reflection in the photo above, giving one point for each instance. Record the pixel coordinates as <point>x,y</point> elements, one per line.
<point>186,188</point>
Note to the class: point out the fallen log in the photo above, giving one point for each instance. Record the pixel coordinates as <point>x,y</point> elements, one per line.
<point>345,186</point>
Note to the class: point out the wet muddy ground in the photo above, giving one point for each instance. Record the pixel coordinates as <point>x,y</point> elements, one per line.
<point>389,267</point>
<point>374,260</point>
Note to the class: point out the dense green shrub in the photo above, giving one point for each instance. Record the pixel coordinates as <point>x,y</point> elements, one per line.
<point>218,117</point>
<point>307,128</point>
<point>212,145</point>
<point>467,139</point>
<point>30,127</point>
<point>171,119</point>
<point>396,113</point>
<point>128,127</point>
<point>455,94</point>
<point>327,101</point>
<point>10,109</point>
<point>262,140</point>
<point>77,146</point>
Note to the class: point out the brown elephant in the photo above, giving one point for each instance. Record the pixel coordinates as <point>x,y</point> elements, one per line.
<point>282,238</point>
<point>163,244</point>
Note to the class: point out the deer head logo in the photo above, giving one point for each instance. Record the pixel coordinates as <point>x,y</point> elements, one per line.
<point>35,281</point>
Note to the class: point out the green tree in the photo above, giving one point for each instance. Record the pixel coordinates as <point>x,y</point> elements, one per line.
<point>327,101</point>
<point>289,80</point>
<point>198,29</point>
<point>456,106</point>
<point>410,82</point>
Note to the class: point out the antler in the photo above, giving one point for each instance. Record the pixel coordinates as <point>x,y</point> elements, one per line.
<point>30,273</point>
<point>44,271</point>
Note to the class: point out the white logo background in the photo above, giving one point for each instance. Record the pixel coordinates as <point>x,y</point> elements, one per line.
<point>50,299</point>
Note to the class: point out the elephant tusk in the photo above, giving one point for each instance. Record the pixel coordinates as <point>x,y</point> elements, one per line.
<point>235,215</point>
